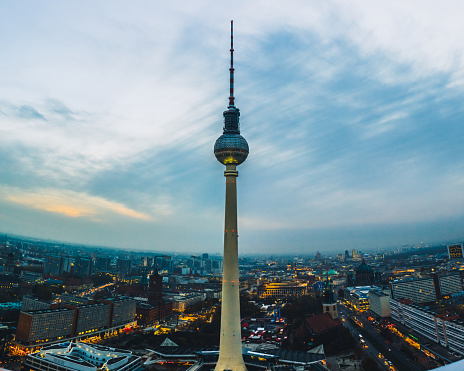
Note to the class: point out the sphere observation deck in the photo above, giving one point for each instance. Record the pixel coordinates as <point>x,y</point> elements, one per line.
<point>231,147</point>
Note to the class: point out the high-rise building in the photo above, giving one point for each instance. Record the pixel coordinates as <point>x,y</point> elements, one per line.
<point>231,149</point>
<point>455,251</point>
<point>155,290</point>
<point>425,289</point>
<point>347,255</point>
<point>52,265</point>
<point>49,324</point>
<point>124,266</point>
<point>102,264</point>
<point>83,267</point>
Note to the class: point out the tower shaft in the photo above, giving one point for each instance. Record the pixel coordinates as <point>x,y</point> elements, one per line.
<point>230,349</point>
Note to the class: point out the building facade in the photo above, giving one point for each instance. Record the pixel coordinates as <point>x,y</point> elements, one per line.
<point>282,290</point>
<point>441,328</point>
<point>379,303</point>
<point>45,325</point>
<point>426,289</point>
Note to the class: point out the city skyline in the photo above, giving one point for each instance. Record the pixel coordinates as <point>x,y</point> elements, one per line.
<point>353,114</point>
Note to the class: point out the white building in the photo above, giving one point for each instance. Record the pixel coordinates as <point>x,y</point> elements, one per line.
<point>426,289</point>
<point>441,328</point>
<point>82,357</point>
<point>379,303</point>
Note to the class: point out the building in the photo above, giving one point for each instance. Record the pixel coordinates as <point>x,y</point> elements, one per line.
<point>364,275</point>
<point>122,310</point>
<point>124,266</point>
<point>181,302</point>
<point>83,267</point>
<point>81,356</point>
<point>155,290</point>
<point>231,149</point>
<point>358,297</point>
<point>329,304</point>
<point>147,314</point>
<point>317,326</point>
<point>442,328</point>
<point>72,321</point>
<point>74,300</point>
<point>45,325</point>
<point>102,264</point>
<point>379,303</point>
<point>9,312</point>
<point>455,251</point>
<point>30,303</point>
<point>10,263</point>
<point>90,318</point>
<point>282,290</point>
<point>52,265</point>
<point>426,289</point>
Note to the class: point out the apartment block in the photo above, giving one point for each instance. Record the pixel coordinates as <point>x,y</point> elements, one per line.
<point>45,325</point>
<point>442,328</point>
<point>426,289</point>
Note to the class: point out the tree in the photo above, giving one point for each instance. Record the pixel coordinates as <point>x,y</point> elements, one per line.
<point>42,292</point>
<point>369,364</point>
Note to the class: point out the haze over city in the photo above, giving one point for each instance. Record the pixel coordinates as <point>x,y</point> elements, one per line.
<point>353,113</point>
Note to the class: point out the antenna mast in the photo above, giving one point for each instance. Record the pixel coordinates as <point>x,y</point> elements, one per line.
<point>231,69</point>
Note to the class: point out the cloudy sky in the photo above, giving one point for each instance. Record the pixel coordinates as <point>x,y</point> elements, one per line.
<point>353,112</point>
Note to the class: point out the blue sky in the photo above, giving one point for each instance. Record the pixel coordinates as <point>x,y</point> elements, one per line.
<point>353,112</point>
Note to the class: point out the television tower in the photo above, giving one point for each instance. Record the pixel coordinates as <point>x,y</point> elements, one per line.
<point>231,149</point>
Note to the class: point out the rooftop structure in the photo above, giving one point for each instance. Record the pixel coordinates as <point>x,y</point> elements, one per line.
<point>82,357</point>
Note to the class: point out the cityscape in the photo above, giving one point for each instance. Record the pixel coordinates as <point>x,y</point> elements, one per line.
<point>119,249</point>
<point>395,310</point>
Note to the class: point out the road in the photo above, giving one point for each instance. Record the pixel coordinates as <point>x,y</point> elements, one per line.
<point>371,350</point>
<point>399,360</point>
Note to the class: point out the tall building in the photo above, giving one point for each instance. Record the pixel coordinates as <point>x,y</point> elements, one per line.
<point>455,251</point>
<point>83,267</point>
<point>155,295</point>
<point>51,324</point>
<point>422,290</point>
<point>102,264</point>
<point>124,266</point>
<point>231,149</point>
<point>52,265</point>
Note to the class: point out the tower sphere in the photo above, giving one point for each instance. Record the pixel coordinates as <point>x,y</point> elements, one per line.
<point>231,148</point>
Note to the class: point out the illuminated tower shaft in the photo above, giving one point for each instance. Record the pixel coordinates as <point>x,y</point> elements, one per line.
<point>230,351</point>
<point>231,149</point>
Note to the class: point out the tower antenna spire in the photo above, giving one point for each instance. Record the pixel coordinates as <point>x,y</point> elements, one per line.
<point>231,69</point>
